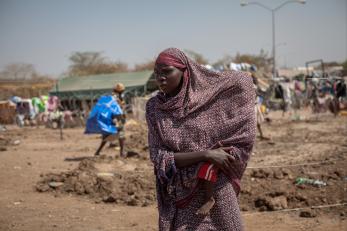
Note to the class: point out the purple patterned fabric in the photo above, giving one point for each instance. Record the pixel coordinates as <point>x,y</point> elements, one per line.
<point>211,110</point>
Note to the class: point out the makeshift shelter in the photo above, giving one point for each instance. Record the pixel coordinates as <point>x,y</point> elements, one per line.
<point>74,91</point>
<point>7,112</point>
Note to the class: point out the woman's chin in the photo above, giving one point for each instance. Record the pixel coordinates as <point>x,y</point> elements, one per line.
<point>164,90</point>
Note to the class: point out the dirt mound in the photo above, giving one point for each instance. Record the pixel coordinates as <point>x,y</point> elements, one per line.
<point>136,139</point>
<point>105,179</point>
<point>271,189</point>
<point>123,181</point>
<point>131,182</point>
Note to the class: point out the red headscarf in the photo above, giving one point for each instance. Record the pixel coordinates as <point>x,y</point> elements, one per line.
<point>199,87</point>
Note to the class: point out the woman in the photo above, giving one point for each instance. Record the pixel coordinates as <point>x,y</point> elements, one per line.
<point>199,116</point>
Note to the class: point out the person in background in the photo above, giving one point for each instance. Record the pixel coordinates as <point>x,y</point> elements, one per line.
<point>287,97</point>
<point>103,120</point>
<point>259,114</point>
<point>118,92</point>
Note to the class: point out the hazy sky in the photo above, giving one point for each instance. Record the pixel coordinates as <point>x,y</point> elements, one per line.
<point>46,32</point>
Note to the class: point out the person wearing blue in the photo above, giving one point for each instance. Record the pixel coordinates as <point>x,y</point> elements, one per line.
<point>103,119</point>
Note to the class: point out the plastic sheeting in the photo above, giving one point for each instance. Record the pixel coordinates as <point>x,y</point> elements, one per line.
<point>100,119</point>
<point>38,104</point>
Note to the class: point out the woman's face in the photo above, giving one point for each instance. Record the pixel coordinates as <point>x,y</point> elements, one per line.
<point>169,79</point>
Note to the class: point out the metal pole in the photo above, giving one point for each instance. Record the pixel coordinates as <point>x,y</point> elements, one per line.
<point>273,10</point>
<point>273,45</point>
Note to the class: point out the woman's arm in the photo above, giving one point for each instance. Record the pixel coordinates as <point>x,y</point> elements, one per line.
<point>185,159</point>
<point>219,157</point>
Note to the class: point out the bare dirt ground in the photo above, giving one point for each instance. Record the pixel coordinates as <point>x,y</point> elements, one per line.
<point>52,184</point>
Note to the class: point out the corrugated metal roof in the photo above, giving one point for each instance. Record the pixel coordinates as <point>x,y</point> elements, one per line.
<point>106,81</point>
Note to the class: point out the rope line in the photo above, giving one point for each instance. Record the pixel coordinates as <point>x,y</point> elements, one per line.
<point>292,165</point>
<point>296,209</point>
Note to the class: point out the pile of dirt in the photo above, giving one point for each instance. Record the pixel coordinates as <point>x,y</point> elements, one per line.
<point>112,180</point>
<point>136,139</point>
<point>271,189</point>
<point>105,179</point>
<point>265,189</point>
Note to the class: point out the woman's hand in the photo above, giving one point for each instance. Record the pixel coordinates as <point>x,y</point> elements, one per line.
<point>222,159</point>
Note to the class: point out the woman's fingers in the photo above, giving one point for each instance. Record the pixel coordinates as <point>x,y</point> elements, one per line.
<point>223,166</point>
<point>231,158</point>
<point>225,149</point>
<point>230,164</point>
<point>224,161</point>
<point>227,166</point>
<point>220,166</point>
<point>226,171</point>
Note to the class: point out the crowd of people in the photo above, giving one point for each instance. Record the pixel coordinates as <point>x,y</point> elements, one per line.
<point>319,94</point>
<point>40,110</point>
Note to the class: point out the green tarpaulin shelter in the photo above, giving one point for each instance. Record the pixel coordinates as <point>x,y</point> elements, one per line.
<point>93,86</point>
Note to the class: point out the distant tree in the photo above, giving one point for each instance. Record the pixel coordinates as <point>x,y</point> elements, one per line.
<point>331,64</point>
<point>19,71</point>
<point>149,65</point>
<point>261,60</point>
<point>110,67</point>
<point>93,63</point>
<point>199,58</point>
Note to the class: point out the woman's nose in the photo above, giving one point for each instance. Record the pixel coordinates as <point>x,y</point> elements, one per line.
<point>160,78</point>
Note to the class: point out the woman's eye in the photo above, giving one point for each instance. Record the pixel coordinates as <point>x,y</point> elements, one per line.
<point>166,71</point>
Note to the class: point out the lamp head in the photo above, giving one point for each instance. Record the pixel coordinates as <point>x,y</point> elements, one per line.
<point>244,3</point>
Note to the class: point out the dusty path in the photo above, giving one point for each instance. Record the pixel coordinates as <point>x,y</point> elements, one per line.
<point>40,151</point>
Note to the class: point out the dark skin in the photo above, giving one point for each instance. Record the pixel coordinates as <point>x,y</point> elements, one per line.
<point>102,144</point>
<point>169,80</point>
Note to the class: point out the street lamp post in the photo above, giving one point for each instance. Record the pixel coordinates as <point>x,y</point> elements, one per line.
<point>273,11</point>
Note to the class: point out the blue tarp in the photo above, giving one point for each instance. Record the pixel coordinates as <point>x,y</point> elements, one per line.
<point>101,116</point>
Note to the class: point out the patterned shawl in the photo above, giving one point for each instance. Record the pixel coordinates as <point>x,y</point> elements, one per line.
<point>211,110</point>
